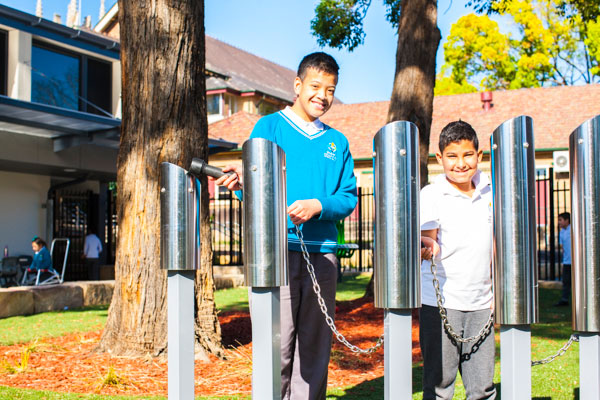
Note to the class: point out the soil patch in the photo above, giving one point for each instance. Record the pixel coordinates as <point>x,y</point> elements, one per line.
<point>67,363</point>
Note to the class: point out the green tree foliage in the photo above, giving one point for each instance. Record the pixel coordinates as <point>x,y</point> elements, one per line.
<point>339,23</point>
<point>554,46</point>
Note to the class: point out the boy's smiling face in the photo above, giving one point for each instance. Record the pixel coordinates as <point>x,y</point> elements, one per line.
<point>315,94</point>
<point>459,160</point>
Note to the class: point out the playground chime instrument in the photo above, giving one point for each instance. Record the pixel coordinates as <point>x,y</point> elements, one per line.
<point>396,255</point>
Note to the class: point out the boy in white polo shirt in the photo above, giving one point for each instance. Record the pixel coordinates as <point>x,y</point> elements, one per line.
<point>456,212</point>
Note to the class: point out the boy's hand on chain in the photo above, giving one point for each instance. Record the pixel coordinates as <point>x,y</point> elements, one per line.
<point>301,211</point>
<point>431,249</point>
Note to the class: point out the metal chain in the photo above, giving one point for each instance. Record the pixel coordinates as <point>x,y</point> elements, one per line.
<point>482,333</point>
<point>328,319</point>
<point>436,285</point>
<point>574,338</point>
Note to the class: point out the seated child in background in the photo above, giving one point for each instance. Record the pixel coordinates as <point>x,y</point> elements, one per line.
<point>456,212</point>
<point>41,261</point>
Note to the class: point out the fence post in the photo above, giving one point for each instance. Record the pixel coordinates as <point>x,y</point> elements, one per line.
<point>552,226</point>
<point>360,230</point>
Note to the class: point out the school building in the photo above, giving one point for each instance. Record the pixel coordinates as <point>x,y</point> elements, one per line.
<point>60,121</point>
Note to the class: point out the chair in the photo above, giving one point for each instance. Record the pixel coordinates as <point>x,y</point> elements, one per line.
<point>9,270</point>
<point>54,277</point>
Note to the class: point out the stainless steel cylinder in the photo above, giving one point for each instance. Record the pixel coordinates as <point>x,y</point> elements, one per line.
<point>265,216</point>
<point>179,218</point>
<point>584,149</point>
<point>515,255</point>
<point>397,232</point>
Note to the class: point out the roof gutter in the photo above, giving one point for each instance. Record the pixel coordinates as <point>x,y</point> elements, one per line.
<point>38,26</point>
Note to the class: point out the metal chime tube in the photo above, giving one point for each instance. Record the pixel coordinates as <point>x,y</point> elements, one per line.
<point>515,256</point>
<point>265,258</point>
<point>584,146</point>
<point>397,248</point>
<point>180,256</point>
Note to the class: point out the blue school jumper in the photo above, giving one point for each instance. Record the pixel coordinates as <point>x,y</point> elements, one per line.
<point>318,166</point>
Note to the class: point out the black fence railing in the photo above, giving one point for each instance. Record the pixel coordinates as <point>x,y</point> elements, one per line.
<point>226,225</point>
<point>553,198</point>
<point>71,213</point>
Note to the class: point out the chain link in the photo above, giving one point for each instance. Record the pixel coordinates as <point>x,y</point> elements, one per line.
<point>436,285</point>
<point>574,338</point>
<point>317,289</point>
<point>482,333</point>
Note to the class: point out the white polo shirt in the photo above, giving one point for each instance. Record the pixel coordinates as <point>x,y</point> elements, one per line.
<point>465,237</point>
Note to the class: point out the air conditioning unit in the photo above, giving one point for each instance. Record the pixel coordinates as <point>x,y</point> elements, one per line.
<point>561,161</point>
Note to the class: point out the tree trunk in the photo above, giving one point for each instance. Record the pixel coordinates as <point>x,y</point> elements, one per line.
<point>412,95</point>
<point>164,119</point>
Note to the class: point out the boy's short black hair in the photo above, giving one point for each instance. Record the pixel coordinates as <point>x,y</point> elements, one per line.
<point>457,131</point>
<point>319,61</point>
<point>566,216</point>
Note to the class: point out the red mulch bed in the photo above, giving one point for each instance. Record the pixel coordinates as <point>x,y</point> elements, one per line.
<point>67,363</point>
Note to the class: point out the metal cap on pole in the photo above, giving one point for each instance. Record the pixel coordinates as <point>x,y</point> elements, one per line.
<point>515,256</point>
<point>397,231</point>
<point>265,218</point>
<point>180,219</point>
<point>584,146</point>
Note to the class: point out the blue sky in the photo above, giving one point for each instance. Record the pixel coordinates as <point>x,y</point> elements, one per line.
<point>279,30</point>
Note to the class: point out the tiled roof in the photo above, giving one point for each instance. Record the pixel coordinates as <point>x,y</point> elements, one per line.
<point>236,128</point>
<point>247,72</point>
<point>556,112</point>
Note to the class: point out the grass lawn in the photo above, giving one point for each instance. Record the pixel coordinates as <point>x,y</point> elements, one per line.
<point>559,380</point>
<point>352,287</point>
<point>15,330</point>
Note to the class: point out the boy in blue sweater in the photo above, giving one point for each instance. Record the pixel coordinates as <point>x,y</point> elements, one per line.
<point>321,189</point>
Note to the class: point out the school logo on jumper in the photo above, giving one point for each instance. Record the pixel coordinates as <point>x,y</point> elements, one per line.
<point>330,153</point>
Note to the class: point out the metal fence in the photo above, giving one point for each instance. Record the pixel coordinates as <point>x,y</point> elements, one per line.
<point>71,211</point>
<point>553,198</point>
<point>226,224</point>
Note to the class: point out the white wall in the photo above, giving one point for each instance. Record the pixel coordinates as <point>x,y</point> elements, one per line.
<point>21,214</point>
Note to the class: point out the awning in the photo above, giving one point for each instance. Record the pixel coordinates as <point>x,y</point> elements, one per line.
<point>69,128</point>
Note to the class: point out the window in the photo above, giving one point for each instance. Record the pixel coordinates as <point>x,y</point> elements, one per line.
<point>232,105</point>
<point>265,108</point>
<point>3,61</point>
<point>70,80</point>
<point>99,87</point>
<point>213,104</point>
<point>54,77</point>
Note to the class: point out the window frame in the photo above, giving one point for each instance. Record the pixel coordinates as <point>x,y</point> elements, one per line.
<point>83,71</point>
<point>4,80</point>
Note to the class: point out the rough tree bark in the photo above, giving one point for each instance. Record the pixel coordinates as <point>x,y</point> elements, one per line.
<point>412,94</point>
<point>164,119</point>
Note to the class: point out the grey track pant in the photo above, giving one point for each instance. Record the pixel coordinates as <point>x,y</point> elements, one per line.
<point>305,337</point>
<point>443,357</point>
